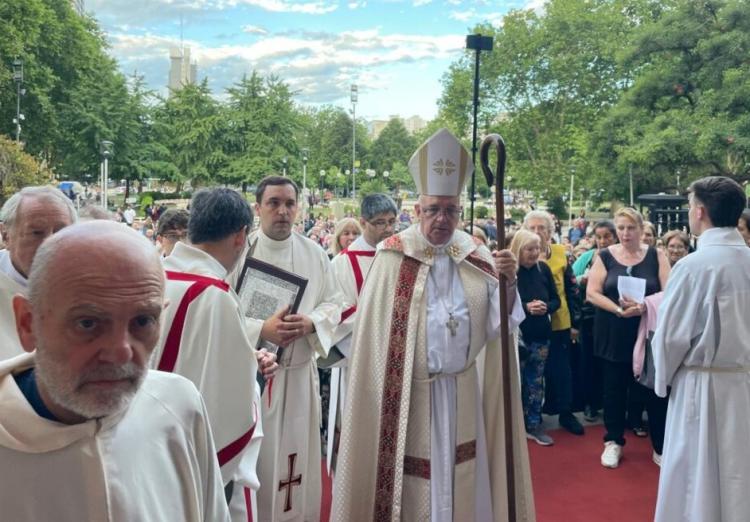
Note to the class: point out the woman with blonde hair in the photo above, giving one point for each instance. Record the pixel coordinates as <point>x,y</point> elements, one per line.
<point>559,392</point>
<point>536,287</point>
<point>346,231</point>
<point>616,324</point>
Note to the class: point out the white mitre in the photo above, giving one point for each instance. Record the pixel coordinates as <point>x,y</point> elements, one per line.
<point>441,165</point>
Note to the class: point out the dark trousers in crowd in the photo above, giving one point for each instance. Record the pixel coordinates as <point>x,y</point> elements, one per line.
<point>558,385</point>
<point>637,398</point>
<point>618,378</point>
<point>592,367</point>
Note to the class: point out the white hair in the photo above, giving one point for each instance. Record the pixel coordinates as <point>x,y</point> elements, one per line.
<point>9,212</point>
<point>540,214</point>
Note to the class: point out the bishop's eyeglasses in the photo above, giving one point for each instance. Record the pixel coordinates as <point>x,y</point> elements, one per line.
<point>448,212</point>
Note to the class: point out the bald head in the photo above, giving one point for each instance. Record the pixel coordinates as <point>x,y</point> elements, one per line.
<point>93,249</point>
<point>96,294</point>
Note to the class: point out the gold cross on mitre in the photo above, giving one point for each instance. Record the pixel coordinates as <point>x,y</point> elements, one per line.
<point>446,167</point>
<point>434,164</point>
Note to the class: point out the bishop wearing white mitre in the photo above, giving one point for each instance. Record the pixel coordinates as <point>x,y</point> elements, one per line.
<point>422,435</point>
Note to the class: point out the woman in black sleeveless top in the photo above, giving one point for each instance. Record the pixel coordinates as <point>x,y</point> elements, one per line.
<point>616,329</point>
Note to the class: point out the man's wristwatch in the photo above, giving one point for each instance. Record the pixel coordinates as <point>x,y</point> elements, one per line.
<point>619,311</point>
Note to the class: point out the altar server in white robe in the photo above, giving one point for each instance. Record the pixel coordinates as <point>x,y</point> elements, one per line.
<point>701,349</point>
<point>204,337</point>
<point>290,456</point>
<point>87,432</point>
<point>28,218</point>
<point>377,217</point>
<point>423,432</point>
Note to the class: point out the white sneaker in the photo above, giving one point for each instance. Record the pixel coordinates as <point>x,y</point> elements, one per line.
<point>656,458</point>
<point>611,454</point>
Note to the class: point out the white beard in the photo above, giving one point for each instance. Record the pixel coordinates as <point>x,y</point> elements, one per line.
<point>70,391</point>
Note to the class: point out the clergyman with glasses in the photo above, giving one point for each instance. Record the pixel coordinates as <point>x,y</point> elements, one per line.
<point>422,434</point>
<point>377,217</point>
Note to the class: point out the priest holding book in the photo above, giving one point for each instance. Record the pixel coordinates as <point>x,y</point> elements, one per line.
<point>289,462</point>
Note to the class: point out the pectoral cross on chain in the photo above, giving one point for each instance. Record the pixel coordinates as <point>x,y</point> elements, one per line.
<point>291,481</point>
<point>451,324</point>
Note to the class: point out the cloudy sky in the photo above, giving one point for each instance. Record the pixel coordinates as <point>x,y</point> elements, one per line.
<point>394,50</point>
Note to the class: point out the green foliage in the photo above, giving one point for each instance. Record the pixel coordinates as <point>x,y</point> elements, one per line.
<point>17,169</point>
<point>687,111</point>
<point>393,146</point>
<point>551,77</point>
<point>481,212</point>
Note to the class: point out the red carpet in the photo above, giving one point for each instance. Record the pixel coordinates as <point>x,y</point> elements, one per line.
<point>570,485</point>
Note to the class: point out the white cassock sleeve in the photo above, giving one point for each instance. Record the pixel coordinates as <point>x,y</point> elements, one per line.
<point>253,327</point>
<point>681,318</point>
<point>515,318</point>
<point>327,312</point>
<point>214,501</point>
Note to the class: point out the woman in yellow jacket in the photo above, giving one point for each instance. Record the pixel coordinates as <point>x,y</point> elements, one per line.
<point>558,379</point>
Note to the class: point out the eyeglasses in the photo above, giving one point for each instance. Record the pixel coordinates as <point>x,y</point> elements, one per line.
<point>383,223</point>
<point>449,212</point>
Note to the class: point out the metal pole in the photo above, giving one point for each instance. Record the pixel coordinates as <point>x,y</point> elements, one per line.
<point>106,181</point>
<point>631,185</point>
<point>101,185</point>
<point>570,202</point>
<point>304,184</point>
<point>18,112</point>
<point>354,150</point>
<point>475,104</point>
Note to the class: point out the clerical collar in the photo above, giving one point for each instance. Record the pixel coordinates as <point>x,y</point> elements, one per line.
<point>720,236</point>
<point>26,381</point>
<point>274,244</point>
<point>436,249</point>
<point>6,266</point>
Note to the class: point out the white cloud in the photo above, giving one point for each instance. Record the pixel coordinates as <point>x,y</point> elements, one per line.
<point>463,16</point>
<point>356,5</point>
<point>253,29</point>
<point>284,6</point>
<point>319,65</point>
<point>419,3</point>
<point>536,5</point>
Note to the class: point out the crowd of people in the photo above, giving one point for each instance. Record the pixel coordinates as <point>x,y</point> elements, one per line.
<point>393,316</point>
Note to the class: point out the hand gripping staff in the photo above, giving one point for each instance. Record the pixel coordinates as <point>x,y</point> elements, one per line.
<point>498,179</point>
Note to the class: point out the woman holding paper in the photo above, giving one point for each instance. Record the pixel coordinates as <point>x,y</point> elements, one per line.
<point>621,277</point>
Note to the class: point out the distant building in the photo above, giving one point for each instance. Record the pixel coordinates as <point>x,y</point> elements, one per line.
<point>413,124</point>
<point>181,70</point>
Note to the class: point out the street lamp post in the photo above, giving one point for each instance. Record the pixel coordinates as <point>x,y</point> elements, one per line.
<point>304,176</point>
<point>570,199</point>
<point>630,175</point>
<point>477,43</point>
<point>105,148</point>
<point>283,161</point>
<point>354,98</point>
<point>18,78</point>
<point>321,177</point>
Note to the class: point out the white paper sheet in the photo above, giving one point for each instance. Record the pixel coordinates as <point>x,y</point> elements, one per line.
<point>633,288</point>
